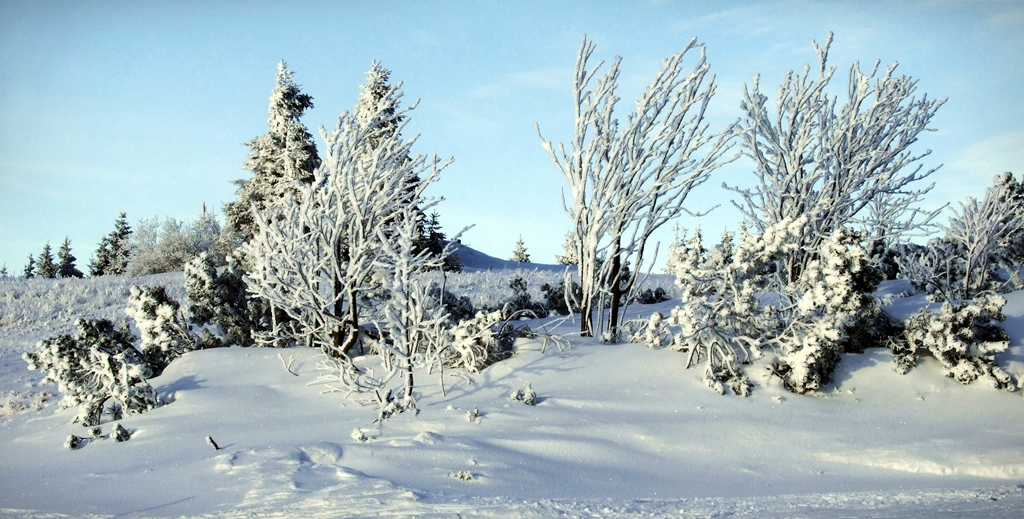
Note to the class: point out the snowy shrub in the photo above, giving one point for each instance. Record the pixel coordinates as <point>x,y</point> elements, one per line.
<point>557,301</point>
<point>458,308</point>
<point>120,434</point>
<point>98,365</point>
<point>963,337</point>
<point>168,246</point>
<point>74,442</point>
<point>221,299</point>
<point>165,332</point>
<point>476,343</point>
<point>521,303</point>
<point>525,395</point>
<point>965,262</point>
<point>735,304</point>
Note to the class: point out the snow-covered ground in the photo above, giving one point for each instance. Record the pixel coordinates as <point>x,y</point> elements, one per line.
<point>618,431</point>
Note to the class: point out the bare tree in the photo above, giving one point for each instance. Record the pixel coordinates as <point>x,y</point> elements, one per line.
<point>316,256</point>
<point>627,180</point>
<point>835,165</point>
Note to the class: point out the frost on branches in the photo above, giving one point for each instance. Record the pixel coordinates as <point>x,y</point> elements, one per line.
<point>97,366</point>
<point>165,332</point>
<point>962,337</point>
<point>735,304</point>
<point>221,300</point>
<point>626,180</point>
<point>979,239</point>
<point>315,257</point>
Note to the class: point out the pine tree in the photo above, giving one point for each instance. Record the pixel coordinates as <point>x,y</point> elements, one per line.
<point>114,250</point>
<point>378,112</point>
<point>66,261</point>
<point>46,268</point>
<point>520,255</point>
<point>286,154</point>
<point>30,268</point>
<point>569,256</point>
<point>3,271</point>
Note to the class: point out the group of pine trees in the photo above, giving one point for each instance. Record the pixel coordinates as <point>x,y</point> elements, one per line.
<point>46,266</point>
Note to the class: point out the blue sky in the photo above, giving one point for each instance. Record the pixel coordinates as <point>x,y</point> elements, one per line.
<point>144,107</point>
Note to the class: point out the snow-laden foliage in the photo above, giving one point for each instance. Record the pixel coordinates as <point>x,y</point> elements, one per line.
<point>835,164</point>
<point>474,344</point>
<point>627,180</point>
<point>411,331</point>
<point>166,334</point>
<point>964,337</point>
<point>220,299</point>
<point>97,365</point>
<point>735,304</point>
<point>979,240</point>
<point>315,257</point>
<point>166,247</point>
<point>520,255</point>
<point>279,160</point>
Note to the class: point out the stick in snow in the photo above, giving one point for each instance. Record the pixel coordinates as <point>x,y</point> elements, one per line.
<point>209,439</point>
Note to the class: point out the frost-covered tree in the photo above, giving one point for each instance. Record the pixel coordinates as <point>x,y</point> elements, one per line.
<point>316,258</point>
<point>519,254</point>
<point>978,240</point>
<point>46,267</point>
<point>30,268</point>
<point>3,271</point>
<point>114,250</point>
<point>835,165</point>
<point>569,247</point>
<point>411,331</point>
<point>165,332</point>
<point>168,246</point>
<point>220,299</point>
<point>280,160</point>
<point>627,179</point>
<point>66,261</point>
<point>96,366</point>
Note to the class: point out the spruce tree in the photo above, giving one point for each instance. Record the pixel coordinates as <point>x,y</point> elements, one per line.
<point>66,261</point>
<point>30,268</point>
<point>114,250</point>
<point>46,268</point>
<point>286,154</point>
<point>3,271</point>
<point>520,255</point>
<point>101,260</point>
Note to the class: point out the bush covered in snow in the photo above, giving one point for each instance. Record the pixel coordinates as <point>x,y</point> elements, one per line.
<point>220,299</point>
<point>96,366</point>
<point>736,303</point>
<point>963,337</point>
<point>165,331</point>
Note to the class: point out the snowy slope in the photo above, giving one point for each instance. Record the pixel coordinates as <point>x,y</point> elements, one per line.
<point>474,260</point>
<point>619,431</point>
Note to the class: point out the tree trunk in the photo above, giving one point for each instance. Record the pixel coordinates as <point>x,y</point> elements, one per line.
<point>616,291</point>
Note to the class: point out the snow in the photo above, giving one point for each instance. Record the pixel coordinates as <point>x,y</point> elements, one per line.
<point>617,431</point>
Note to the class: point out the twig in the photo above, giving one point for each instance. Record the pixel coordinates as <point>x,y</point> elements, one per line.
<point>288,365</point>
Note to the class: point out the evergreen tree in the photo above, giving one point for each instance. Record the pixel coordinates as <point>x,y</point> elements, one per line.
<point>286,154</point>
<point>520,255</point>
<point>30,268</point>
<point>114,250</point>
<point>66,261</point>
<point>3,271</point>
<point>569,256</point>
<point>101,260</point>
<point>46,268</point>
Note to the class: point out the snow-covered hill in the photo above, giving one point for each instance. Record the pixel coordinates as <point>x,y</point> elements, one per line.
<point>618,431</point>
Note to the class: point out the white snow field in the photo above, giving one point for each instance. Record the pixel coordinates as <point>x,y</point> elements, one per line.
<point>617,431</point>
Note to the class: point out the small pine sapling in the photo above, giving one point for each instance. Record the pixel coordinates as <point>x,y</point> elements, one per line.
<point>525,395</point>
<point>74,442</point>
<point>98,365</point>
<point>46,267</point>
<point>120,434</point>
<point>519,255</point>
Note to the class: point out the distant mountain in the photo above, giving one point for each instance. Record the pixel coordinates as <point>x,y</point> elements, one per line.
<point>474,260</point>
